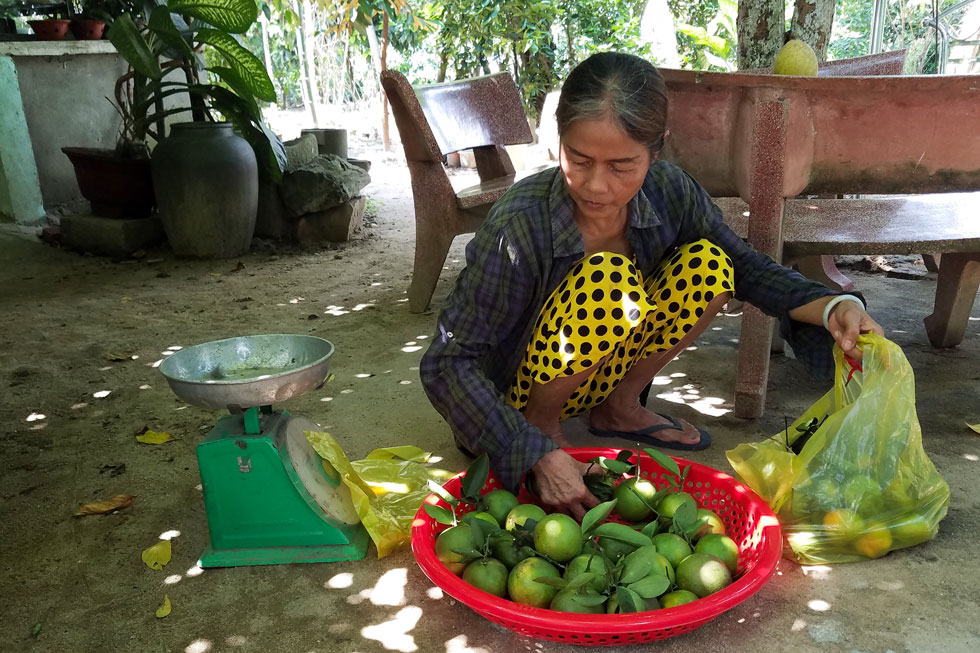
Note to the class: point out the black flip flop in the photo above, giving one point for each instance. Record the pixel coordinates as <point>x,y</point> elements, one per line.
<point>646,436</point>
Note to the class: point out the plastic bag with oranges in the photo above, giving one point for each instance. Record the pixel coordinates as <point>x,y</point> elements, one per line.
<point>849,479</point>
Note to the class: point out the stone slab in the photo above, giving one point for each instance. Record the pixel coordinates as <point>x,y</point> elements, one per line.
<point>322,184</point>
<point>336,225</point>
<point>300,151</point>
<point>109,236</point>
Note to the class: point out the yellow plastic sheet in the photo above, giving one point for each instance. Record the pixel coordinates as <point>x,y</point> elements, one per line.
<point>862,485</point>
<point>387,486</point>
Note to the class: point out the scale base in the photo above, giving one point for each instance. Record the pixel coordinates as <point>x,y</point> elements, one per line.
<point>269,497</point>
<point>356,550</point>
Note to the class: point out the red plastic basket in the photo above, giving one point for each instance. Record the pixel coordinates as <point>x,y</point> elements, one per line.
<point>748,521</point>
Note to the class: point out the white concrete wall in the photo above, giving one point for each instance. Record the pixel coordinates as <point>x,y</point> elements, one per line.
<point>63,86</point>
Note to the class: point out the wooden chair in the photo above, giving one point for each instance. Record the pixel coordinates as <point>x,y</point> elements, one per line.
<point>482,113</point>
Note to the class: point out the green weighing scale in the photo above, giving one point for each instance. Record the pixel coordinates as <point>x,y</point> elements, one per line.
<point>269,497</point>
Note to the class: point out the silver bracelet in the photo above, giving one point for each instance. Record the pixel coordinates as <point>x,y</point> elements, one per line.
<point>834,302</point>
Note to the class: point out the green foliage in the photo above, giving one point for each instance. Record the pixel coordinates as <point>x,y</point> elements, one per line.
<point>712,46</point>
<point>537,41</point>
<point>176,38</point>
<point>903,29</point>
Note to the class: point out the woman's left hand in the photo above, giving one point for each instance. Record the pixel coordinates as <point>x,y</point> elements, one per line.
<point>846,322</point>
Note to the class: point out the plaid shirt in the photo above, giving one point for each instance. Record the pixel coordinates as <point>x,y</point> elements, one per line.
<point>520,254</point>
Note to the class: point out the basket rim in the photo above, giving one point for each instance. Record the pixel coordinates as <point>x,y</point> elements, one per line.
<point>684,617</point>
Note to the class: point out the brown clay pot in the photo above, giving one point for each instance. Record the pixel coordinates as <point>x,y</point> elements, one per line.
<point>116,187</point>
<point>87,29</point>
<point>50,29</point>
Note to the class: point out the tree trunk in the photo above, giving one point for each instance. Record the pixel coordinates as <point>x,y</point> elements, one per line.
<point>267,54</point>
<point>308,24</point>
<point>304,89</point>
<point>657,29</point>
<point>384,98</point>
<point>443,67</point>
<point>812,22</point>
<point>761,31</point>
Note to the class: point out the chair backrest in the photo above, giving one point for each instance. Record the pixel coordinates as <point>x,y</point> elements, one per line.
<point>882,63</point>
<point>440,118</point>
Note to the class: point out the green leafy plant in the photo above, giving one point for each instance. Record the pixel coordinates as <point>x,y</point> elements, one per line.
<point>171,39</point>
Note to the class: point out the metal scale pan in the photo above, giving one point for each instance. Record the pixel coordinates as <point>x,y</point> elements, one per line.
<point>239,373</point>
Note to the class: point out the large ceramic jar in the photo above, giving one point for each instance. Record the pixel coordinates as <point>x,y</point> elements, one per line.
<point>207,183</point>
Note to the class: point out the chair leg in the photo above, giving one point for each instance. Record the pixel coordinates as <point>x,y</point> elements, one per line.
<point>752,370</point>
<point>956,289</point>
<point>824,270</point>
<point>431,248</point>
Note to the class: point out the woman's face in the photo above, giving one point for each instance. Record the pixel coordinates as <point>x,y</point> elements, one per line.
<point>603,167</point>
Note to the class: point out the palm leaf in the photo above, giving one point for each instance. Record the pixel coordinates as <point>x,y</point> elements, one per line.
<point>234,16</point>
<point>246,65</point>
<point>130,44</point>
<point>162,24</point>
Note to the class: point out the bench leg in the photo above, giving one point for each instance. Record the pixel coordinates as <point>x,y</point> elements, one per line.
<point>956,289</point>
<point>753,363</point>
<point>932,261</point>
<point>431,248</point>
<point>824,270</point>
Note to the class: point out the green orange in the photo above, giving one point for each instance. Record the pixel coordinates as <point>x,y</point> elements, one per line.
<point>524,589</point>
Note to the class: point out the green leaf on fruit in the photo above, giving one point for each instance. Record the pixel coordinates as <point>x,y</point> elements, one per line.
<point>581,580</point>
<point>596,516</point>
<point>663,460</point>
<point>553,581</point>
<point>467,552</point>
<point>589,599</point>
<point>600,485</point>
<point>651,529</point>
<point>622,533</point>
<point>651,587</point>
<point>686,515</point>
<point>635,569</point>
<point>442,493</point>
<point>440,514</point>
<point>629,601</point>
<point>617,467</point>
<point>476,478</point>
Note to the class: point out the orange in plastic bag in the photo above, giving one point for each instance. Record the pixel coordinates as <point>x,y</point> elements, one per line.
<point>849,479</point>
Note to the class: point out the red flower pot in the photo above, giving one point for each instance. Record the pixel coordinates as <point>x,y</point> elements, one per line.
<point>50,29</point>
<point>87,29</point>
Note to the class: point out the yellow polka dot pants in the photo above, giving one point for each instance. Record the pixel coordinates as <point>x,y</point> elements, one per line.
<point>603,310</point>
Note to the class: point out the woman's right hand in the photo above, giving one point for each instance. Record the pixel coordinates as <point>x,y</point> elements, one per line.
<point>560,485</point>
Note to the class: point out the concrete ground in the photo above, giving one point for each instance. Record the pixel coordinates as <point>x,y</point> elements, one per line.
<point>78,584</point>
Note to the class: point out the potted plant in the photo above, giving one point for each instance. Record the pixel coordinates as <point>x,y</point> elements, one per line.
<point>93,16</point>
<point>165,52</point>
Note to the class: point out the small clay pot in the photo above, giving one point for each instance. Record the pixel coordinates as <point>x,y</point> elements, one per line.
<point>87,29</point>
<point>50,29</point>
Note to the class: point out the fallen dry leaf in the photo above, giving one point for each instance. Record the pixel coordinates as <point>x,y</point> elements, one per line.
<point>117,502</point>
<point>164,609</point>
<point>158,555</point>
<point>154,437</point>
<point>974,427</point>
<point>116,357</point>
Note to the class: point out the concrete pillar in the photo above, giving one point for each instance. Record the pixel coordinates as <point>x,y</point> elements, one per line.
<point>20,190</point>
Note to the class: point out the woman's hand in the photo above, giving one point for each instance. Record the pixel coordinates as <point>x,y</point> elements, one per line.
<point>847,320</point>
<point>560,486</point>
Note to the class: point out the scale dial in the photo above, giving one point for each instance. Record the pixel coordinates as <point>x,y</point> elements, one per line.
<point>328,492</point>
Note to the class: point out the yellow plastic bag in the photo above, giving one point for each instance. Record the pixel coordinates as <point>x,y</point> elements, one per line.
<point>861,484</point>
<point>387,487</point>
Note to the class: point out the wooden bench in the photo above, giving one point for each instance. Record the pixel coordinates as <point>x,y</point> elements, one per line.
<point>483,114</point>
<point>946,223</point>
<point>770,139</point>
